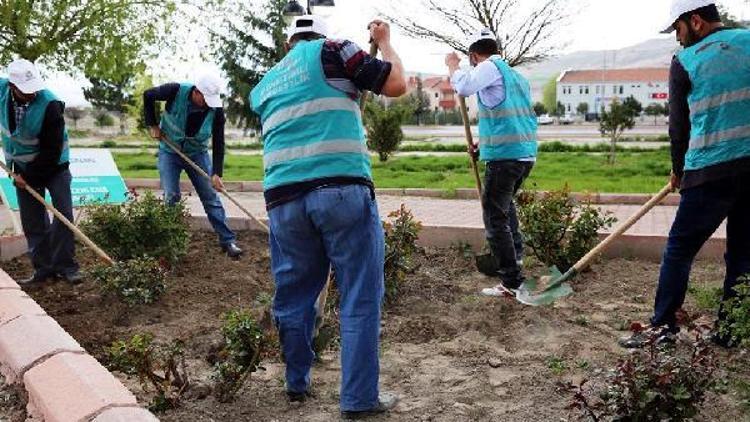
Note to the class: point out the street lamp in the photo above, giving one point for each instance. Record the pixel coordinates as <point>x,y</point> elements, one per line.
<point>294,9</point>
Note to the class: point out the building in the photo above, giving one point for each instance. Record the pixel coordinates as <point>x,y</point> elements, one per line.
<point>598,88</point>
<point>441,94</point>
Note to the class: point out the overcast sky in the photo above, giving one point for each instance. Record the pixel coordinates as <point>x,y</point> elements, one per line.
<point>594,25</point>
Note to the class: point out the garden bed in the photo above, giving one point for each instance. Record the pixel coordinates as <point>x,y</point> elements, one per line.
<point>450,354</point>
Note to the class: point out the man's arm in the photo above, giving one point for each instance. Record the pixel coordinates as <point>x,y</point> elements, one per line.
<point>395,85</point>
<point>51,140</point>
<point>166,92</point>
<point>218,144</point>
<point>679,116</point>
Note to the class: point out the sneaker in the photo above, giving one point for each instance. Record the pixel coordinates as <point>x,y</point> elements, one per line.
<point>724,341</point>
<point>639,340</point>
<point>386,402</point>
<point>36,280</point>
<point>298,397</point>
<point>232,250</point>
<point>497,291</point>
<point>72,278</point>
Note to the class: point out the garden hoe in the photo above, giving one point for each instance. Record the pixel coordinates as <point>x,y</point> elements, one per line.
<point>555,285</point>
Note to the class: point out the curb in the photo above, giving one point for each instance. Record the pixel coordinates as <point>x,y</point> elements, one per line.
<point>63,382</point>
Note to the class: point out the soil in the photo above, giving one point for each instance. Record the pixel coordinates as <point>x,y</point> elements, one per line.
<point>449,353</point>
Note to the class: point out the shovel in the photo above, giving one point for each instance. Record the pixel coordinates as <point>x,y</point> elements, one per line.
<point>555,285</point>
<point>76,231</point>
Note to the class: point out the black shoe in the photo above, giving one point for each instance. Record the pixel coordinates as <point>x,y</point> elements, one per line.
<point>36,279</point>
<point>232,250</point>
<point>723,340</point>
<point>386,402</point>
<point>658,335</point>
<point>298,397</point>
<point>72,278</point>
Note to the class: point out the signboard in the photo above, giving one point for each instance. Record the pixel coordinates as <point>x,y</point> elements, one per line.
<point>95,178</point>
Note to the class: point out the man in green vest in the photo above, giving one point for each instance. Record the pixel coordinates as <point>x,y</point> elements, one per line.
<point>35,144</point>
<point>709,127</point>
<point>194,114</point>
<point>507,143</point>
<point>321,201</point>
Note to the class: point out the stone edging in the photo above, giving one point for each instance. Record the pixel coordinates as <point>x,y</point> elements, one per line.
<point>63,383</point>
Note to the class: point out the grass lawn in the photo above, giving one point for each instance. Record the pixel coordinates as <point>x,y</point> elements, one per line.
<point>634,172</point>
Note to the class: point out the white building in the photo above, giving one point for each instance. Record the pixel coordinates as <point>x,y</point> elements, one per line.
<point>598,88</point>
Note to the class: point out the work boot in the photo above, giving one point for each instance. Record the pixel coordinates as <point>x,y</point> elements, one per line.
<point>298,397</point>
<point>386,402</point>
<point>232,250</point>
<point>36,280</point>
<point>73,278</point>
<point>639,340</point>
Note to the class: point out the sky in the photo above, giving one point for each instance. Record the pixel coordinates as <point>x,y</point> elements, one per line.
<point>594,25</point>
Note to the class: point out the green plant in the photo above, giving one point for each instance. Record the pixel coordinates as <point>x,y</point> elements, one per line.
<point>161,367</point>
<point>706,298</point>
<point>557,229</point>
<point>143,226</point>
<point>240,355</point>
<point>401,234</point>
<point>557,365</point>
<point>613,123</point>
<point>654,384</point>
<point>108,144</point>
<point>383,125</point>
<point>103,119</point>
<point>137,281</point>
<point>736,310</point>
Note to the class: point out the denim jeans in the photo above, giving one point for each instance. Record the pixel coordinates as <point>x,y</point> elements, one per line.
<point>702,210</point>
<point>170,168</point>
<point>339,226</point>
<point>51,244</point>
<point>502,180</point>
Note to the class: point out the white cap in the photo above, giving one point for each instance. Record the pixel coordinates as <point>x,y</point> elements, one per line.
<point>25,76</point>
<point>210,86</point>
<point>680,7</point>
<point>484,34</point>
<point>308,23</point>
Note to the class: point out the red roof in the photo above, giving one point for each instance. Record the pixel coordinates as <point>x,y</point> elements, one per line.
<point>655,74</point>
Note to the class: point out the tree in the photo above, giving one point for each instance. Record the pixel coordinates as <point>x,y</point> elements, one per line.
<point>522,37</point>
<point>583,108</point>
<point>549,95</point>
<point>90,36</point>
<point>75,114</point>
<point>383,125</point>
<point>634,105</point>
<point>614,122</point>
<point>143,81</point>
<point>420,102</point>
<point>248,43</point>
<point>560,109</point>
<point>115,94</point>
<point>103,119</point>
<point>729,19</point>
<point>540,109</point>
<point>654,109</point>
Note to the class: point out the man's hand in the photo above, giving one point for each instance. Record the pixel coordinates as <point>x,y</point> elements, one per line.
<point>380,32</point>
<point>19,182</point>
<point>675,181</point>
<point>155,132</point>
<point>217,183</point>
<point>473,151</point>
<point>453,61</point>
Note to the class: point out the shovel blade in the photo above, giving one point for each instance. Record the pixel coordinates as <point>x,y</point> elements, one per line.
<point>548,296</point>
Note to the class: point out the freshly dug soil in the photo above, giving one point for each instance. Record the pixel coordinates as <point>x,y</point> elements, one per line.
<point>449,353</point>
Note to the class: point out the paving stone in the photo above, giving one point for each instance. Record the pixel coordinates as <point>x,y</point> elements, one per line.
<point>126,414</point>
<point>6,282</point>
<point>15,303</point>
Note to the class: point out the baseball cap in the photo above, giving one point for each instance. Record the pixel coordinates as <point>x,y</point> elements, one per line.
<point>680,7</point>
<point>210,86</point>
<point>484,34</point>
<point>25,76</point>
<point>308,23</point>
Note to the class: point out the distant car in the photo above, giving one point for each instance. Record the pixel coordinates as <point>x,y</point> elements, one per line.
<point>544,119</point>
<point>567,119</point>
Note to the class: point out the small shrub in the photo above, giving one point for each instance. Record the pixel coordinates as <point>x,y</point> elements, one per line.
<point>143,226</point>
<point>161,367</point>
<point>654,384</point>
<point>706,298</point>
<point>559,231</point>
<point>240,355</point>
<point>109,144</point>
<point>383,125</point>
<point>138,281</point>
<point>103,119</point>
<point>736,324</point>
<point>401,234</point>
<point>557,365</point>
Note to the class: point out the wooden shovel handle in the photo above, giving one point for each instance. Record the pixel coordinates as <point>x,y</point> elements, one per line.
<point>76,231</point>
<point>470,143</point>
<point>586,260</point>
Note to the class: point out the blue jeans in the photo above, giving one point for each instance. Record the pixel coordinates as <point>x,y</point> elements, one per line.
<point>702,210</point>
<point>339,226</point>
<point>170,168</point>
<point>51,244</point>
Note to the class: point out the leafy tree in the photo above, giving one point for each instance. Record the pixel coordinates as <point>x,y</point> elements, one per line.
<point>654,109</point>
<point>75,114</point>
<point>103,119</point>
<point>142,82</point>
<point>522,38</point>
<point>91,36</point>
<point>114,94</point>
<point>420,102</point>
<point>248,43</point>
<point>583,108</point>
<point>540,109</point>
<point>560,109</point>
<point>549,95</point>
<point>614,122</point>
<point>383,125</point>
<point>634,105</point>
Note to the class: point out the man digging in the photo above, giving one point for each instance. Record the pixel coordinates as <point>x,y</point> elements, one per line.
<point>507,143</point>
<point>194,114</point>
<point>321,202</point>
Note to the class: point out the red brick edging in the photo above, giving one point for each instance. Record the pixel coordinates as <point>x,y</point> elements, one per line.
<point>63,382</point>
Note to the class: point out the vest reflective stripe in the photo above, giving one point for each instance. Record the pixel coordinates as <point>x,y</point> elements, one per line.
<point>174,122</point>
<point>719,99</point>
<point>508,131</point>
<point>308,108</point>
<point>328,147</point>
<point>311,130</point>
